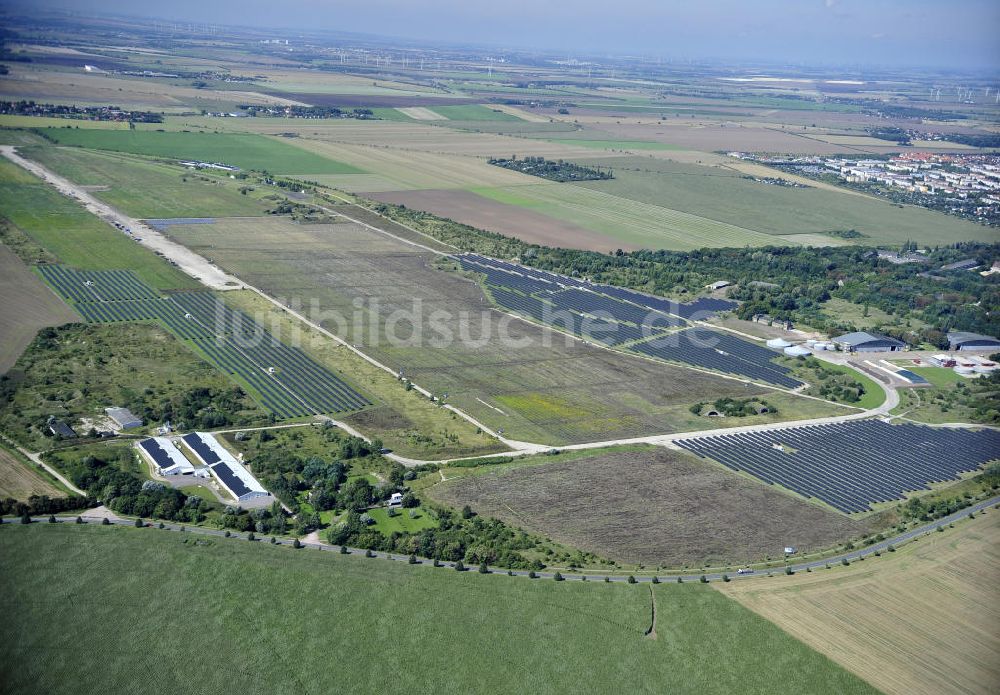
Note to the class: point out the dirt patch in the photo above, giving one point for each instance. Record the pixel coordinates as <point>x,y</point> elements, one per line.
<point>379,419</point>
<point>27,306</point>
<point>477,211</point>
<point>653,507</point>
<point>19,481</point>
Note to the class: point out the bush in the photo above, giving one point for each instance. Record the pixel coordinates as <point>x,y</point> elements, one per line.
<point>844,561</point>
<point>251,537</point>
<point>531,574</point>
<point>703,579</point>
<point>459,567</point>
<point>79,519</point>
<point>161,526</point>
<point>558,577</point>
<point>412,559</point>
<point>436,563</point>
<point>788,571</point>
<point>344,550</point>
<point>680,580</point>
<point>484,568</point>
<point>891,548</point>
<point>295,543</point>
<point>25,518</point>
<point>227,534</point>
<point>274,541</point>
<point>139,523</point>
<point>369,553</point>
<point>105,521</point>
<point>52,518</point>
<point>656,580</point>
<point>725,577</point>
<point>631,579</point>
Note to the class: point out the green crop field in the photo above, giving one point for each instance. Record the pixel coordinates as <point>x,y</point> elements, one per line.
<point>473,112</point>
<point>91,608</point>
<point>147,189</point>
<point>639,224</point>
<point>779,210</point>
<point>246,151</point>
<point>73,235</point>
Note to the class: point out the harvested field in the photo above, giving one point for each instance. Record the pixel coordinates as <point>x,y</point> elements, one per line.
<point>485,213</point>
<point>360,284</point>
<point>394,101</point>
<point>27,306</point>
<point>920,621</point>
<point>19,481</point>
<point>655,507</point>
<point>420,113</point>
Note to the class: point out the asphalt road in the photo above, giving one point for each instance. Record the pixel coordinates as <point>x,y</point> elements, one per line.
<point>851,556</point>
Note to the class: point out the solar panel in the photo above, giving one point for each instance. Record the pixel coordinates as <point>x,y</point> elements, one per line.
<point>156,452</point>
<point>203,450</point>
<point>226,475</point>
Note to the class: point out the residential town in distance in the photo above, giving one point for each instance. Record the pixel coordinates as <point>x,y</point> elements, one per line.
<point>967,185</point>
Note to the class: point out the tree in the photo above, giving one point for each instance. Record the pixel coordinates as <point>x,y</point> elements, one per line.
<point>139,523</point>
<point>105,521</point>
<point>531,574</point>
<point>558,576</point>
<point>484,568</point>
<point>631,579</point>
<point>79,519</point>
<point>467,512</point>
<point>459,567</point>
<point>296,544</point>
<point>52,518</point>
<point>251,537</point>
<point>703,579</point>
<point>412,560</point>
<point>656,580</point>
<point>26,518</point>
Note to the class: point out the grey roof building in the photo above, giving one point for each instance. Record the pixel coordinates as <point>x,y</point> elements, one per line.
<point>123,417</point>
<point>862,341</point>
<point>963,340</point>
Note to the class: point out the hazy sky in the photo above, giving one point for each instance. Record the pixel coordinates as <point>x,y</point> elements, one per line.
<point>947,33</point>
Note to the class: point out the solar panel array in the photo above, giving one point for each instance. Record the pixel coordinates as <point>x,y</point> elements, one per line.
<point>157,453</point>
<point>96,285</point>
<point>289,382</point>
<point>235,485</point>
<point>722,352</point>
<point>852,465</point>
<point>199,447</point>
<point>496,272</point>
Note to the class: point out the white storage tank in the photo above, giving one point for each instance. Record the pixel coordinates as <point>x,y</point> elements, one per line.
<point>778,343</point>
<point>796,351</point>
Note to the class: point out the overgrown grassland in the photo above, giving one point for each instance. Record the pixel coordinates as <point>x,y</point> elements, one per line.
<point>90,608</point>
<point>919,621</point>
<point>148,189</point>
<point>73,235</point>
<point>245,151</point>
<point>76,371</point>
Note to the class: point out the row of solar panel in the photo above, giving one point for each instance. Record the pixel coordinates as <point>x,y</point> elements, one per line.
<point>289,382</point>
<point>700,308</point>
<point>852,465</point>
<point>721,352</point>
<point>96,285</point>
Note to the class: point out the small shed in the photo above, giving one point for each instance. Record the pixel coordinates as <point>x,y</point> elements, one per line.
<point>396,499</point>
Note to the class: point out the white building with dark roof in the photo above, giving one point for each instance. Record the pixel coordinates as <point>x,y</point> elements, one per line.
<point>231,474</point>
<point>164,456</point>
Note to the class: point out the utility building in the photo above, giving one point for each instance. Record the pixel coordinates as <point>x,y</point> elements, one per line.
<point>961,340</point>
<point>868,342</point>
<point>230,473</point>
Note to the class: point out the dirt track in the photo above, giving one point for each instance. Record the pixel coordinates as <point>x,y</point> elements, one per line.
<point>188,261</point>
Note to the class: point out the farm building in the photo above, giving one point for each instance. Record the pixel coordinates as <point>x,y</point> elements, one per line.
<point>123,417</point>
<point>862,341</point>
<point>396,499</point>
<point>167,459</point>
<point>718,285</point>
<point>967,264</point>
<point>961,340</point>
<point>230,473</point>
<point>61,429</point>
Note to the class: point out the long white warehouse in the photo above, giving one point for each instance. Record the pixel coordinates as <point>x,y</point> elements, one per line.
<point>230,473</point>
<point>166,457</point>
